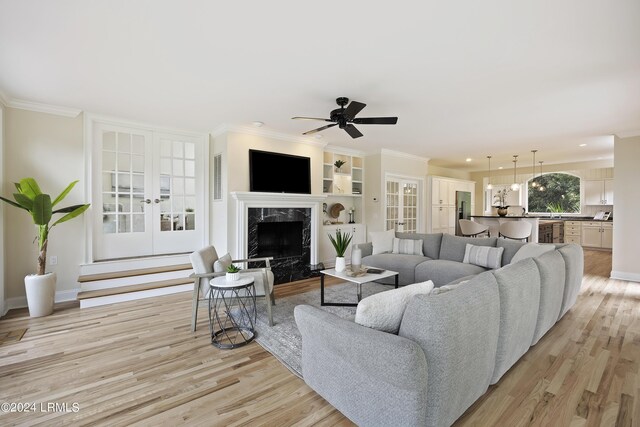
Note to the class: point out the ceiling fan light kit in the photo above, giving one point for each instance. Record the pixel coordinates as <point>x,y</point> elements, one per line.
<point>345,117</point>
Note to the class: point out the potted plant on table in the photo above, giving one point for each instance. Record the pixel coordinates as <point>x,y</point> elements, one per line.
<point>41,287</point>
<point>340,244</point>
<point>233,273</point>
<point>501,198</point>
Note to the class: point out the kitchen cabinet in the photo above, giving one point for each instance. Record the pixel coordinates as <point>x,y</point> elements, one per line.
<point>327,253</point>
<point>573,232</point>
<point>598,192</point>
<point>596,234</point>
<point>443,203</point>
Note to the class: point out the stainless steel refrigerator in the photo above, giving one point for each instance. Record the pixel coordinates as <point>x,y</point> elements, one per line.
<point>463,208</point>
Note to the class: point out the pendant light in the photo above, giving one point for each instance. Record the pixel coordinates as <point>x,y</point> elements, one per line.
<point>489,186</point>
<point>515,186</point>
<point>534,184</point>
<point>541,188</point>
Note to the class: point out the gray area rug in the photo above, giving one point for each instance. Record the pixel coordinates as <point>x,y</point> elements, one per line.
<point>283,339</point>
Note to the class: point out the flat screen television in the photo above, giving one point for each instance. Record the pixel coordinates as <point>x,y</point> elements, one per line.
<point>279,173</point>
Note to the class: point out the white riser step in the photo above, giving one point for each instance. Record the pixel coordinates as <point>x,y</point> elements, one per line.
<point>131,296</point>
<point>101,267</point>
<point>133,280</point>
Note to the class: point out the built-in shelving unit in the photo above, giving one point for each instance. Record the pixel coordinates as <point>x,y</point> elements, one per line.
<point>345,181</point>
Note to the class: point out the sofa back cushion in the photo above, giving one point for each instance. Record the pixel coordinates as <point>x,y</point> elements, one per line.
<point>552,277</point>
<point>453,247</point>
<point>574,270</point>
<point>510,248</point>
<point>430,242</point>
<point>519,288</point>
<point>458,332</point>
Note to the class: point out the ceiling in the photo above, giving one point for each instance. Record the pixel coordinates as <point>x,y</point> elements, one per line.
<point>466,79</point>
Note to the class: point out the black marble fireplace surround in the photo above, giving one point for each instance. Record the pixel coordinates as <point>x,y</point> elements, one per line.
<point>285,268</point>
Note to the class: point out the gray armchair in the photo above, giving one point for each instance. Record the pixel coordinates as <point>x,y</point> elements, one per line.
<point>202,261</point>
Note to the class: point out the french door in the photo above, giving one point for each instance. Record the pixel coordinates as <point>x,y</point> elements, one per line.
<point>403,201</point>
<point>148,192</point>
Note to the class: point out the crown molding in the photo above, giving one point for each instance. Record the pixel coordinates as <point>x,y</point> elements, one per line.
<point>403,155</point>
<point>343,150</point>
<point>225,128</point>
<point>40,107</point>
<point>628,134</point>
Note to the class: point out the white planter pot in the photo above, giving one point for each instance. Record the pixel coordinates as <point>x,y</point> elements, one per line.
<point>41,292</point>
<point>340,264</point>
<point>232,277</point>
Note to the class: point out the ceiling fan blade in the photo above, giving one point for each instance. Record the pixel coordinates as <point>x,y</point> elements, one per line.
<point>351,130</point>
<point>376,121</point>
<point>310,118</point>
<point>319,129</point>
<point>353,108</point>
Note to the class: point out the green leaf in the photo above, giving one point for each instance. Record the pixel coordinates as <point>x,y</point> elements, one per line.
<point>41,212</point>
<point>72,214</point>
<point>24,201</point>
<point>12,203</point>
<point>68,209</point>
<point>29,187</point>
<point>64,193</point>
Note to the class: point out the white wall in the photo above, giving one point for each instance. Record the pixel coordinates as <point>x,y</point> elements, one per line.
<point>449,173</point>
<point>2,190</point>
<point>626,228</point>
<point>48,148</point>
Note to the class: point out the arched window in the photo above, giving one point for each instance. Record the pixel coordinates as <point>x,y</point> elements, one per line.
<point>554,192</point>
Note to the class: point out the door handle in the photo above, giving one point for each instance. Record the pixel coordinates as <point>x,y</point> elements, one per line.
<point>156,200</point>
<point>147,201</point>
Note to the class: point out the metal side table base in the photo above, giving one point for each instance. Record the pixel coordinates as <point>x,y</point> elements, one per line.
<point>232,313</point>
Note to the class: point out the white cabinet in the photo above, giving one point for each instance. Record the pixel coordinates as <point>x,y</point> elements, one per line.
<point>573,232</point>
<point>598,192</point>
<point>328,253</point>
<point>443,203</point>
<point>597,234</point>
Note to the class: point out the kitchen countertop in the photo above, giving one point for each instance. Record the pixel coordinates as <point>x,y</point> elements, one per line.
<point>545,218</point>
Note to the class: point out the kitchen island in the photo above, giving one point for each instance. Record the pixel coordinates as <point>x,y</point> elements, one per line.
<point>494,221</point>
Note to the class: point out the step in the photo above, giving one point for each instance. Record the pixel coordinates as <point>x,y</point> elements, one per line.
<point>128,264</point>
<point>137,295</point>
<point>134,280</point>
<point>84,295</point>
<point>134,272</point>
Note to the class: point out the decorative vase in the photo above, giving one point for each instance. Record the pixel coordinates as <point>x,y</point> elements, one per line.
<point>502,211</point>
<point>41,292</point>
<point>232,277</point>
<point>356,257</point>
<point>341,265</point>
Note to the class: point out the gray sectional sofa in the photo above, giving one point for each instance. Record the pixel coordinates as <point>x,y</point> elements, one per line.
<point>450,346</point>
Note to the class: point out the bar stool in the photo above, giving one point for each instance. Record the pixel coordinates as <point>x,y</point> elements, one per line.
<point>473,229</point>
<point>516,230</point>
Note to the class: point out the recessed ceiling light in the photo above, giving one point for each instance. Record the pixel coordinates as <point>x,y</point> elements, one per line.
<point>468,159</point>
<point>318,136</point>
<point>583,145</point>
<point>500,167</point>
<point>257,124</point>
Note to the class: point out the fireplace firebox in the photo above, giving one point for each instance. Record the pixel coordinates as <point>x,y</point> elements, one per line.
<point>280,239</point>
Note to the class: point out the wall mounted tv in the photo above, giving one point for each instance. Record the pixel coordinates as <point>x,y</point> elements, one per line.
<point>279,173</point>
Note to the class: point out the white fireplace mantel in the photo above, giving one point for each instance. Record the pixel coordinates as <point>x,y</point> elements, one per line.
<point>247,199</point>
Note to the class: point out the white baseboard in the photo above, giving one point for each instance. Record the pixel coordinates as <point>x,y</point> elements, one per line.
<point>623,275</point>
<point>21,302</point>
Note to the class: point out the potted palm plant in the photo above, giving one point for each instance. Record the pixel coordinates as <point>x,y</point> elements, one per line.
<point>41,287</point>
<point>340,244</point>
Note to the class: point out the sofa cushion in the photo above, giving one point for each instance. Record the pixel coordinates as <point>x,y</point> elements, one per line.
<point>405,265</point>
<point>430,242</point>
<point>453,247</point>
<point>519,286</point>
<point>552,277</point>
<point>483,256</point>
<point>510,249</point>
<point>532,250</point>
<point>458,332</point>
<point>447,287</point>
<point>382,241</point>
<point>407,246</point>
<point>574,261</point>
<point>383,311</point>
<point>442,271</point>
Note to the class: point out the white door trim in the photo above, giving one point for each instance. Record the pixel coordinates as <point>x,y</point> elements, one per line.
<point>421,197</point>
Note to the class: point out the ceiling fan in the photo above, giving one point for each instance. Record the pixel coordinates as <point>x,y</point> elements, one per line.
<point>344,117</point>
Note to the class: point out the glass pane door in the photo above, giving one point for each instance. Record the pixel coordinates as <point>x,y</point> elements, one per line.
<point>393,205</point>
<point>402,205</point>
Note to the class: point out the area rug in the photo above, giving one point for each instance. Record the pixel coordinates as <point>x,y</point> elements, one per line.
<point>283,339</point>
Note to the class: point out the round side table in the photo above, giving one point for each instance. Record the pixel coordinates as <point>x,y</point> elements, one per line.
<point>232,311</point>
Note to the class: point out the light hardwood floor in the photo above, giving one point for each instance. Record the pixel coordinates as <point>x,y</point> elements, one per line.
<point>137,363</point>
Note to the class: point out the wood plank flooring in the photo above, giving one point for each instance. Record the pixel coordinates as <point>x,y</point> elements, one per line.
<point>136,363</point>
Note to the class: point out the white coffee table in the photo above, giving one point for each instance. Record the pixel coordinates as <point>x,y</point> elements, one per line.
<point>369,277</point>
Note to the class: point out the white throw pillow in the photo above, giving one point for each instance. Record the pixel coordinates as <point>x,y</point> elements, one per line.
<point>383,311</point>
<point>222,263</point>
<point>382,241</point>
<point>531,250</point>
<point>407,246</point>
<point>483,256</point>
